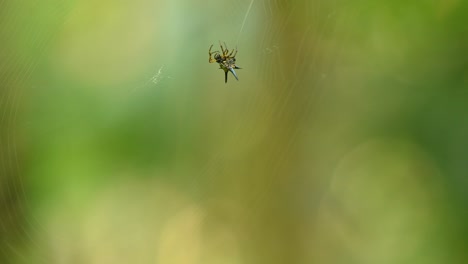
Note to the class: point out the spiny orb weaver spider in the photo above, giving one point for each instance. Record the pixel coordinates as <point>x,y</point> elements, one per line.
<point>226,60</point>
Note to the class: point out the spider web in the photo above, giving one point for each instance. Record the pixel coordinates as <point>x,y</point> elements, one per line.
<point>63,61</point>
<point>120,143</point>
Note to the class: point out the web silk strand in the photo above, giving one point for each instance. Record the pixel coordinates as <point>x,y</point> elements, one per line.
<point>245,19</point>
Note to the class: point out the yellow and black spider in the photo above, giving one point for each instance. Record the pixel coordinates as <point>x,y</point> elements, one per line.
<point>225,59</point>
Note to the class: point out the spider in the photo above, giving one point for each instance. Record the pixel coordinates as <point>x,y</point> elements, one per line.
<point>226,60</point>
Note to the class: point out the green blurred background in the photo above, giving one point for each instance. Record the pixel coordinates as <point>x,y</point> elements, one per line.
<point>344,140</point>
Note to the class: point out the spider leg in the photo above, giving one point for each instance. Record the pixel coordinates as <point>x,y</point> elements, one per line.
<point>235,53</point>
<point>229,54</point>
<point>227,50</point>
<point>211,60</point>
<point>222,49</point>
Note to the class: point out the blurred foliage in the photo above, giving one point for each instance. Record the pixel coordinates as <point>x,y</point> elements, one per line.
<point>344,140</point>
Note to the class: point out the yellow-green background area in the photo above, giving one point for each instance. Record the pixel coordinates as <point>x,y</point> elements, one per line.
<point>345,139</point>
